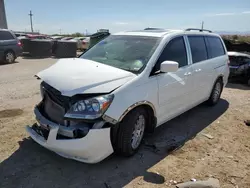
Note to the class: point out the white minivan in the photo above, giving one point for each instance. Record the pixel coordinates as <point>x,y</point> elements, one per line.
<point>125,86</point>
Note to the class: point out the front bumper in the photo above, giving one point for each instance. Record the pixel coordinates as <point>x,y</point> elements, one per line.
<point>92,148</point>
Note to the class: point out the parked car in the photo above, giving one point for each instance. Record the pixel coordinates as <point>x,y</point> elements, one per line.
<point>125,86</point>
<point>67,38</point>
<point>32,36</point>
<point>20,35</point>
<point>85,43</point>
<point>56,37</point>
<point>239,66</point>
<point>82,42</point>
<point>10,46</point>
<point>78,42</point>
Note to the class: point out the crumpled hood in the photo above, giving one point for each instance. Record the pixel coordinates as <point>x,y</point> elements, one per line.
<point>75,76</point>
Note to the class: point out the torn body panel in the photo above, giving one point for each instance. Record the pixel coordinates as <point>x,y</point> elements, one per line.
<point>91,148</point>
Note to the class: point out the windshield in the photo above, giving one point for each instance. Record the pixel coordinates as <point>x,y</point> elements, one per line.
<point>129,53</point>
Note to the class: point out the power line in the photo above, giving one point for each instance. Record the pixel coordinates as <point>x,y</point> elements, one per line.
<point>31,24</point>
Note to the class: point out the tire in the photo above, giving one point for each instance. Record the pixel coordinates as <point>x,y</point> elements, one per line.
<point>216,93</point>
<point>9,56</point>
<point>128,140</point>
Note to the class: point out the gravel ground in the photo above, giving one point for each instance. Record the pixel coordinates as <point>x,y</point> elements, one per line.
<point>215,143</point>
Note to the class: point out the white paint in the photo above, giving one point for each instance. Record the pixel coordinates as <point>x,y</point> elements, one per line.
<point>92,148</point>
<point>169,66</point>
<point>170,93</point>
<point>74,76</point>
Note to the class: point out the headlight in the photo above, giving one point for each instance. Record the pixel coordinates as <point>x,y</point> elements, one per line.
<point>90,108</point>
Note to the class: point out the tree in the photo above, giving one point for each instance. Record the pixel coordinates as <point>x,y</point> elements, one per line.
<point>77,34</point>
<point>235,37</point>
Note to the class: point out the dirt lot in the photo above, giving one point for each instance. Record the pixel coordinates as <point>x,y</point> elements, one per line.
<point>225,155</point>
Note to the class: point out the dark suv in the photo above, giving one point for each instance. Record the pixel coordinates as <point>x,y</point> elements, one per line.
<point>10,46</point>
<point>239,66</point>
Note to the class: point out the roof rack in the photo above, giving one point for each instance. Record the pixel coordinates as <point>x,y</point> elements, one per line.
<point>201,30</point>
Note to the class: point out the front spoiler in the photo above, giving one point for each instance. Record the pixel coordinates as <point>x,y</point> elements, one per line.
<point>92,148</point>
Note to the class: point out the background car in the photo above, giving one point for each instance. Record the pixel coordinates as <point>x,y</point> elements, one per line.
<point>56,37</point>
<point>31,36</point>
<point>10,46</point>
<point>85,43</point>
<point>239,66</point>
<point>67,38</point>
<point>82,42</point>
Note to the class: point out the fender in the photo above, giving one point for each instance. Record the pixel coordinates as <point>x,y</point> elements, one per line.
<point>113,121</point>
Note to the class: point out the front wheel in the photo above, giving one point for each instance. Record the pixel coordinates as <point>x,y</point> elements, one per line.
<point>130,133</point>
<point>216,93</point>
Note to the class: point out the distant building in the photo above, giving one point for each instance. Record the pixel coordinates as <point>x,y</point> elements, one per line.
<point>3,21</point>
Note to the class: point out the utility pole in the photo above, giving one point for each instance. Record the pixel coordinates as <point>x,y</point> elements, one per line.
<point>31,24</point>
<point>202,25</point>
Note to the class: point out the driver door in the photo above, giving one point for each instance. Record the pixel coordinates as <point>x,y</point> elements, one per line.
<point>175,88</point>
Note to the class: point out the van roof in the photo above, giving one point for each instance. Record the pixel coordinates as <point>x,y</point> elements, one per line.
<point>155,32</point>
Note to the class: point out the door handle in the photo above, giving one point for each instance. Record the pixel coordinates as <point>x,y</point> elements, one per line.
<point>197,70</point>
<point>187,73</point>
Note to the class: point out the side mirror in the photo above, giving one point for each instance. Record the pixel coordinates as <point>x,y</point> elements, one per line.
<point>169,66</point>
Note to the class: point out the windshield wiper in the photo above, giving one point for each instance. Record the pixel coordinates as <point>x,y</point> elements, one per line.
<point>128,69</point>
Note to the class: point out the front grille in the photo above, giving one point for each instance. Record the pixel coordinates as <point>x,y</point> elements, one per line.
<point>55,95</point>
<point>54,105</point>
<point>53,111</point>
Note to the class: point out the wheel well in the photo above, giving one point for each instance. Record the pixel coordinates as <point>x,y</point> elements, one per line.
<point>9,50</point>
<point>150,127</point>
<point>151,117</point>
<point>220,78</point>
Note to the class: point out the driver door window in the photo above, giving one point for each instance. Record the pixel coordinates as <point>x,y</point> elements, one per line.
<point>174,51</point>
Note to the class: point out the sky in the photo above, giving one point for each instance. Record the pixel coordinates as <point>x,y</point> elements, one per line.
<point>65,16</point>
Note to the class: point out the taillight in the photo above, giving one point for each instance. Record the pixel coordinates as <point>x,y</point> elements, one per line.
<point>19,44</point>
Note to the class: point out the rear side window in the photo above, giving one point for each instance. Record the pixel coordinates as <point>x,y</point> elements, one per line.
<point>215,47</point>
<point>238,60</point>
<point>5,35</point>
<point>174,51</point>
<point>198,48</point>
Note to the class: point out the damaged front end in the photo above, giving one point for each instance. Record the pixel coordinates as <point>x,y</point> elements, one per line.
<point>73,127</point>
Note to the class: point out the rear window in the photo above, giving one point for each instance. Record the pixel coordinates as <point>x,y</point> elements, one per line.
<point>215,47</point>
<point>198,48</point>
<point>5,35</point>
<point>238,60</point>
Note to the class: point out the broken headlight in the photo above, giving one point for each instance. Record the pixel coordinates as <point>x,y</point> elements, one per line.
<point>92,108</point>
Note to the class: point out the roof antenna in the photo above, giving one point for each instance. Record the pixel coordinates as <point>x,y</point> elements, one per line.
<point>202,25</point>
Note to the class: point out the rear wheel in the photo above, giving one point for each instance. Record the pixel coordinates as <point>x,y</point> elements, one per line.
<point>216,93</point>
<point>130,133</point>
<point>9,57</point>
